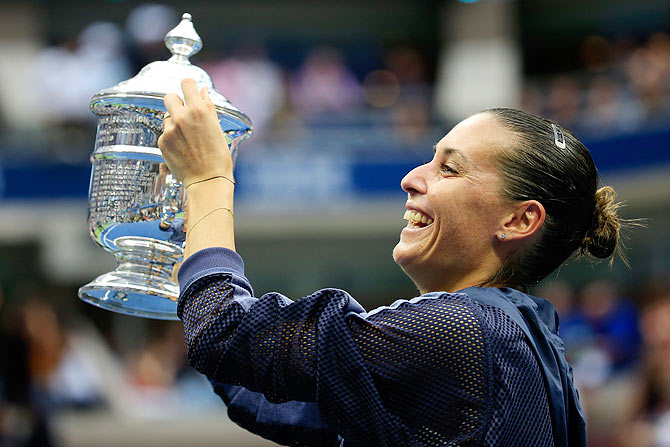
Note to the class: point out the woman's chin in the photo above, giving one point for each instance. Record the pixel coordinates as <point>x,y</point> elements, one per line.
<point>409,263</point>
<point>403,255</point>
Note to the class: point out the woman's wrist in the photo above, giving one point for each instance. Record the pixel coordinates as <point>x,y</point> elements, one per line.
<point>210,215</point>
<point>203,197</point>
<point>213,188</point>
<point>228,178</point>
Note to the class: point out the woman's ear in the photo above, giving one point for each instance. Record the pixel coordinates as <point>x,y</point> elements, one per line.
<point>525,221</point>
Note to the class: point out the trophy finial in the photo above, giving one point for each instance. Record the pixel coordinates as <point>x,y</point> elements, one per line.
<point>183,41</point>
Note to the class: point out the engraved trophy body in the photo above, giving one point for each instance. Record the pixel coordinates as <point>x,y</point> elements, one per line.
<point>136,206</point>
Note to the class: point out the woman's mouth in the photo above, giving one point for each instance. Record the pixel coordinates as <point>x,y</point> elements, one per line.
<point>417,219</point>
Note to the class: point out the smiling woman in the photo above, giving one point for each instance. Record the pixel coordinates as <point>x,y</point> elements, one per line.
<point>460,190</point>
<point>472,361</point>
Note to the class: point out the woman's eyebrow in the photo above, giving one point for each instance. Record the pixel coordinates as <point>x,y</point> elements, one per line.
<point>447,151</point>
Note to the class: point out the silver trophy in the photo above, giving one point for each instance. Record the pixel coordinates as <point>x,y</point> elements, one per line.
<point>136,206</point>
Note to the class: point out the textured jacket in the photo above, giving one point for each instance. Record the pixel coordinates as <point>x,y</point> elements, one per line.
<point>481,367</point>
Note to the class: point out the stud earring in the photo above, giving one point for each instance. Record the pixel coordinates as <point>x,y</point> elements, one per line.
<point>502,236</point>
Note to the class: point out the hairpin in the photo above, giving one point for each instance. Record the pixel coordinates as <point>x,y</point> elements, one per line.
<point>559,138</point>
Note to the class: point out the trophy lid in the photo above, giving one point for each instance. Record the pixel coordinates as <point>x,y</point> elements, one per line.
<point>154,81</point>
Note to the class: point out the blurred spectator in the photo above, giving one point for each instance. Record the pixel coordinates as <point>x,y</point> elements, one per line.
<point>605,365</point>
<point>252,82</point>
<point>410,117</point>
<point>57,74</point>
<point>324,84</point>
<point>564,101</point>
<point>411,121</point>
<point>573,327</point>
<point>649,422</point>
<point>409,67</point>
<point>403,92</point>
<point>381,88</point>
<point>66,76</point>
<point>607,108</point>
<point>100,48</point>
<point>146,26</point>
<point>159,362</point>
<point>648,68</point>
<point>23,420</point>
<point>597,53</point>
<point>628,88</point>
<point>61,369</point>
<point>160,382</point>
<point>532,100</point>
<point>614,322</point>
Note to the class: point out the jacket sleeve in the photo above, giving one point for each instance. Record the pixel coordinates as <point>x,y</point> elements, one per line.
<point>334,367</point>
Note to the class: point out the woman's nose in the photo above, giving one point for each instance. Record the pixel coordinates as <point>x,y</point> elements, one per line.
<point>414,181</point>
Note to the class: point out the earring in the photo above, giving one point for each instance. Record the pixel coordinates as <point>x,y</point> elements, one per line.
<point>502,236</point>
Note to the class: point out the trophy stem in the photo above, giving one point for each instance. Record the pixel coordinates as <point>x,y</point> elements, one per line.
<point>141,285</point>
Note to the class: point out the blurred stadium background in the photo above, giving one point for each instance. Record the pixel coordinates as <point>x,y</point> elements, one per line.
<point>346,97</point>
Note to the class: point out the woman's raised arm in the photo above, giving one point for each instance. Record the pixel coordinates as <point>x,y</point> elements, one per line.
<point>195,150</point>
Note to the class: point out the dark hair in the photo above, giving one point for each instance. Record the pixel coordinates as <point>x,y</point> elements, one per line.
<point>548,164</point>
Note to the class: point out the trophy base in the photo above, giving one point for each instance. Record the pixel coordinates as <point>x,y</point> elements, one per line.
<point>133,293</point>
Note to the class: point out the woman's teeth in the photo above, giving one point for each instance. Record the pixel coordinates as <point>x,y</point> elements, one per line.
<point>417,219</point>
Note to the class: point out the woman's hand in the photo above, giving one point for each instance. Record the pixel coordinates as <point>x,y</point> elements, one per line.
<point>195,149</point>
<point>192,143</point>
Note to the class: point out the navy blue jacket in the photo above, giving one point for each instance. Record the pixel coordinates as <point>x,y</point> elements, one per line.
<point>483,366</point>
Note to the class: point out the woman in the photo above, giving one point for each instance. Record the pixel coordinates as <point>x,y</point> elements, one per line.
<point>505,200</point>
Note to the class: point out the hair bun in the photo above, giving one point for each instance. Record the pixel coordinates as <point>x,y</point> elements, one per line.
<point>602,237</point>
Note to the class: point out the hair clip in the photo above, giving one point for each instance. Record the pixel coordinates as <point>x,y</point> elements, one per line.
<point>559,138</point>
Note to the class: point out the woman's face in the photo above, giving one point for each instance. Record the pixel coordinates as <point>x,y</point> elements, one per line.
<point>455,209</point>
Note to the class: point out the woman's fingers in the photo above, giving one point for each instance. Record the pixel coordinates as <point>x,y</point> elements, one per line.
<point>204,93</point>
<point>191,94</point>
<point>173,104</point>
<point>193,97</point>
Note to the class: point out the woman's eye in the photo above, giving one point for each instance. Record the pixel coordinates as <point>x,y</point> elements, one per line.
<point>449,169</point>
